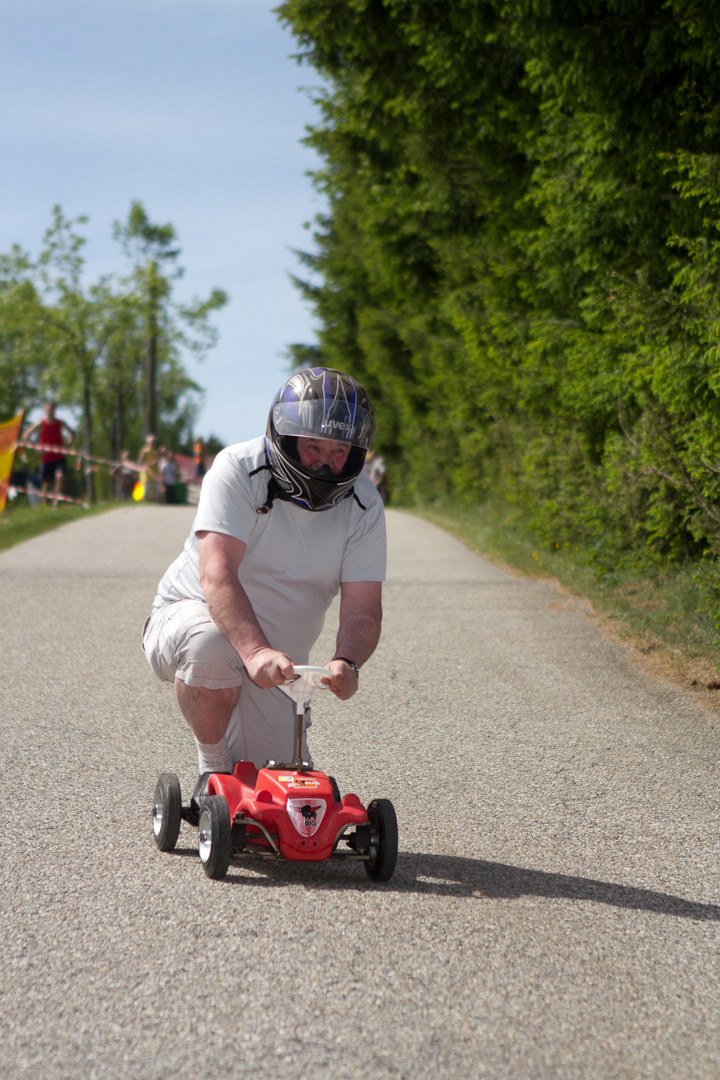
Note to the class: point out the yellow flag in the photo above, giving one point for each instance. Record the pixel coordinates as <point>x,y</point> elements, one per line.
<point>9,432</point>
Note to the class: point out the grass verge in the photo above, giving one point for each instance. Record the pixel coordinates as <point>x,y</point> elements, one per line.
<point>19,523</point>
<point>659,611</point>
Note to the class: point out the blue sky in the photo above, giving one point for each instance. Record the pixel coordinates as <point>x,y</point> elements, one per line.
<point>194,107</point>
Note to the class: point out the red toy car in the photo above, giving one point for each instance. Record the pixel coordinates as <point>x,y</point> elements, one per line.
<point>282,811</point>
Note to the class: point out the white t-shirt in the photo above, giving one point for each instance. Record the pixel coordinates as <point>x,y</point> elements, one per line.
<point>295,560</point>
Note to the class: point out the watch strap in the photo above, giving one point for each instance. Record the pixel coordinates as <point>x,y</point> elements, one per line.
<point>351,663</point>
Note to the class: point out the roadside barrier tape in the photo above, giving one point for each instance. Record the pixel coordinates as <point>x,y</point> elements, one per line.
<point>49,497</point>
<point>69,451</point>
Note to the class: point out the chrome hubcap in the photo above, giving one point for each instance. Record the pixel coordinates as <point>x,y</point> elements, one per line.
<point>204,836</point>
<point>157,815</point>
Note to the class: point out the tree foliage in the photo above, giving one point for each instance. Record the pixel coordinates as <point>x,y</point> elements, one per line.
<point>521,256</point>
<point>112,350</point>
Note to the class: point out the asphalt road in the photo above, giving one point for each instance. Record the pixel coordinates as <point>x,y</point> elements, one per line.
<point>555,912</point>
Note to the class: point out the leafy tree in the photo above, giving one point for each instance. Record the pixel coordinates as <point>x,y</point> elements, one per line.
<point>213,445</point>
<point>20,351</point>
<point>166,325</point>
<point>519,254</point>
<point>65,324</point>
<point>93,347</point>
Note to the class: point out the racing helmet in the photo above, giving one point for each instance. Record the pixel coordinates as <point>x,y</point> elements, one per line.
<point>319,403</point>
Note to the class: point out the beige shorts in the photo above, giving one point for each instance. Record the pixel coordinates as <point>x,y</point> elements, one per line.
<point>180,641</point>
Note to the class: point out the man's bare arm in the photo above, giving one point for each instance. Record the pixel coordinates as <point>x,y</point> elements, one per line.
<point>358,633</point>
<point>232,612</point>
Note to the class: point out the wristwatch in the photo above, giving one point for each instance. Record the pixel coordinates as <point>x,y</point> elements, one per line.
<point>351,663</point>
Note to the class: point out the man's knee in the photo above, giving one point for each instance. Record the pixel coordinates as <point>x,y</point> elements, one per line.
<point>184,643</point>
<point>208,660</point>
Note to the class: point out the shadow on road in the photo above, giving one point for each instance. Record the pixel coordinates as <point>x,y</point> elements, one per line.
<point>452,875</point>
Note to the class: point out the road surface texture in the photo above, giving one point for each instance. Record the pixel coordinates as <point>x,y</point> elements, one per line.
<point>555,912</point>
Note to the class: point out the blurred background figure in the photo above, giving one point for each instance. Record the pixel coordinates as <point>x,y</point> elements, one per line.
<point>24,479</point>
<point>149,462</point>
<point>125,475</point>
<point>168,474</point>
<point>54,435</point>
<point>374,469</point>
<point>199,458</point>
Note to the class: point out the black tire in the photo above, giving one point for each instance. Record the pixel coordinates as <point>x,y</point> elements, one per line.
<point>166,815</point>
<point>215,836</point>
<point>383,840</point>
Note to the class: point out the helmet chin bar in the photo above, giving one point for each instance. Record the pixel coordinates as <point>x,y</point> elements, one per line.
<point>323,473</point>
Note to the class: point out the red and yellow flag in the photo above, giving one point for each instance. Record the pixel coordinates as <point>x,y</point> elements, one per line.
<point>9,433</point>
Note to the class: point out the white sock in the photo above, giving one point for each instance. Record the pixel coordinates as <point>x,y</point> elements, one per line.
<point>214,757</point>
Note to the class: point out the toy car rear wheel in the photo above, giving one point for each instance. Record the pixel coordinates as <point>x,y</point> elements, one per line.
<point>215,836</point>
<point>166,814</point>
<point>383,840</point>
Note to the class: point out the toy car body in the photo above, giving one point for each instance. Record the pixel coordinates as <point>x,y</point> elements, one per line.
<point>283,811</point>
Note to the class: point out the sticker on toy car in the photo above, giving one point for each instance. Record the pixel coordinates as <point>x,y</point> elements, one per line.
<point>306,814</point>
<point>299,781</point>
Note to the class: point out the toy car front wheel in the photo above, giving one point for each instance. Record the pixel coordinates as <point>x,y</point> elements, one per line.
<point>383,840</point>
<point>215,836</point>
<point>166,814</point>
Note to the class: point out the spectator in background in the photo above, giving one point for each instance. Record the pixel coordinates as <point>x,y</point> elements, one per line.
<point>149,462</point>
<point>374,469</point>
<point>199,458</point>
<point>23,480</point>
<point>125,475</point>
<point>169,475</point>
<point>51,435</point>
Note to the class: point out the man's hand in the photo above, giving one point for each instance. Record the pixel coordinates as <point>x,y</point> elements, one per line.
<point>343,680</point>
<point>268,667</point>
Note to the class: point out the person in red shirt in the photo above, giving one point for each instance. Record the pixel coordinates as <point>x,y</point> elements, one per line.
<point>50,432</point>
